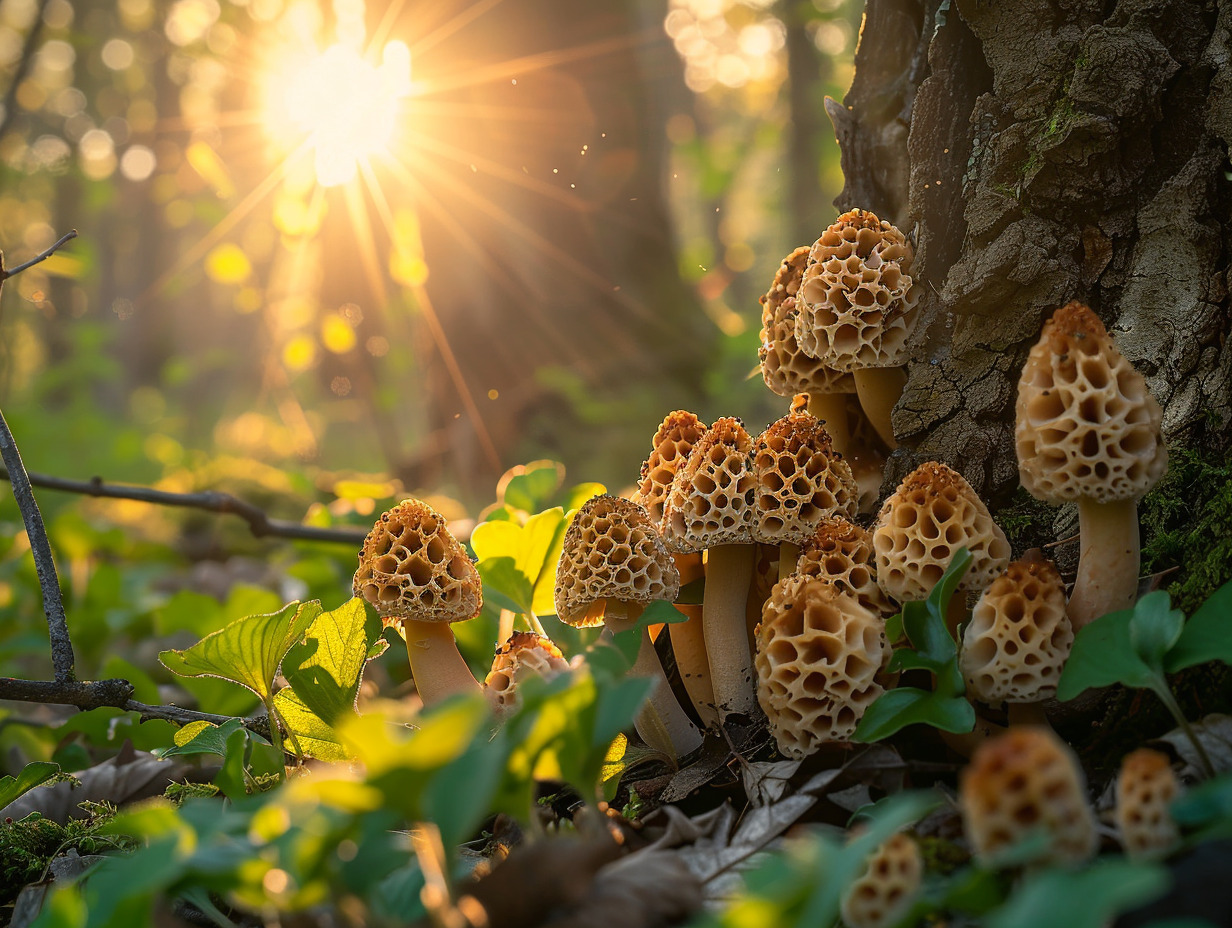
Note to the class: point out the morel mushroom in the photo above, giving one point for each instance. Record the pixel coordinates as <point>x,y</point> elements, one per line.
<point>1145,789</point>
<point>524,655</point>
<point>890,882</point>
<point>841,553</point>
<point>417,576</point>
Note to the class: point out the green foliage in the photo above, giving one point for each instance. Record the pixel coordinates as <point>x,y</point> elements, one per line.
<point>931,648</point>
<point>33,842</point>
<point>31,775</point>
<point>1088,898</point>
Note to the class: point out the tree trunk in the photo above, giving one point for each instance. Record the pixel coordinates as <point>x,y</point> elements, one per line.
<point>1043,152</point>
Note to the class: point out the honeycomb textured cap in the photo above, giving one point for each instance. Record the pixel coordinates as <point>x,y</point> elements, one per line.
<point>672,442</point>
<point>1146,787</point>
<point>611,551</point>
<point>785,368</point>
<point>410,567</point>
<point>818,654</point>
<point>712,497</point>
<point>1019,636</point>
<point>524,655</point>
<point>891,880</point>
<point>800,480</point>
<point>841,553</point>
<point>856,305</point>
<point>1023,781</point>
<point>933,513</point>
<point>1086,424</point>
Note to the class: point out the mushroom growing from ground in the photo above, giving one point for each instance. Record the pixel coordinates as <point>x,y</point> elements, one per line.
<point>858,309</point>
<point>1025,781</point>
<point>890,882</point>
<point>1145,789</point>
<point>818,654</point>
<point>612,565</point>
<point>1088,432</point>
<point>417,576</point>
<point>524,655</point>
<point>841,553</point>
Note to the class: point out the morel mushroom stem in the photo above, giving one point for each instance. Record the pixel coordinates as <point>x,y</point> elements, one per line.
<point>728,571</point>
<point>831,408</point>
<point>879,388</point>
<point>436,664</point>
<point>689,645</point>
<point>1108,567</point>
<point>789,555</point>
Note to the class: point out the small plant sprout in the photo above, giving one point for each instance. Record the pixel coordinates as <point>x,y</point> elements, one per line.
<point>1088,432</point>
<point>417,577</point>
<point>859,309</point>
<point>1145,789</point>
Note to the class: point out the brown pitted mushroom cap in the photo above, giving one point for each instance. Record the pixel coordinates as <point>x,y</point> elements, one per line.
<point>410,567</point>
<point>856,305</point>
<point>1145,790</point>
<point>675,438</point>
<point>712,497</point>
<point>933,513</point>
<point>891,880</point>
<point>1019,636</point>
<point>800,480</point>
<point>818,654</point>
<point>524,655</point>
<point>1023,781</point>
<point>1086,424</point>
<point>784,367</point>
<point>611,551</point>
<point>841,553</point>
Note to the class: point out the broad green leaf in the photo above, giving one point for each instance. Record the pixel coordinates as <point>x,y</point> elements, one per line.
<point>1103,655</point>
<point>457,799</point>
<point>617,705</point>
<point>1207,635</point>
<point>1088,898</point>
<point>539,536</point>
<point>1154,627</point>
<point>497,539</point>
<point>204,738</point>
<point>444,731</point>
<point>532,486</point>
<point>315,737</point>
<point>248,651</point>
<point>544,600</point>
<point>1207,804</point>
<point>326,668</point>
<point>534,549</point>
<point>230,778</point>
<point>12,788</point>
<point>908,705</point>
<point>581,493</point>
<point>660,612</point>
<point>504,585</point>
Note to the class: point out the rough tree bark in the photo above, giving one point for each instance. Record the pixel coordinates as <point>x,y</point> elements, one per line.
<point>1041,152</point>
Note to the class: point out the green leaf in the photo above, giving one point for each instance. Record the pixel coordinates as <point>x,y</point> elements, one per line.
<point>518,562</point>
<point>504,585</point>
<point>203,738</point>
<point>12,788</point>
<point>906,705</point>
<point>248,651</point>
<point>316,737</point>
<point>1088,898</point>
<point>660,612</point>
<point>1206,804</point>
<point>1102,655</point>
<point>533,487</point>
<point>230,778</point>
<point>1206,635</point>
<point>458,797</point>
<point>1154,627</point>
<point>581,493</point>
<point>326,668</point>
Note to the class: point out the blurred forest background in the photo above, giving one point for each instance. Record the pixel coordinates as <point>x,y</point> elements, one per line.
<point>334,255</point>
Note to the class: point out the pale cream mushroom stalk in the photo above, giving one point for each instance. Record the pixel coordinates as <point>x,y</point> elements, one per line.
<point>1088,432</point>
<point>416,575</point>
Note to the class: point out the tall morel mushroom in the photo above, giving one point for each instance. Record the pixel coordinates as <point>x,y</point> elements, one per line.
<point>417,576</point>
<point>1088,432</point>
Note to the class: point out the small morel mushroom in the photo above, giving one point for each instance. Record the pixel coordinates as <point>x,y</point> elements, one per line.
<point>933,513</point>
<point>1088,432</point>
<point>880,896</point>
<point>1024,781</point>
<point>858,309</point>
<point>800,481</point>
<point>417,576</point>
<point>818,654</point>
<point>1145,790</point>
<point>1019,637</point>
<point>711,507</point>
<point>524,655</point>
<point>841,553</point>
<point>613,564</point>
<point>786,369</point>
<point>670,447</point>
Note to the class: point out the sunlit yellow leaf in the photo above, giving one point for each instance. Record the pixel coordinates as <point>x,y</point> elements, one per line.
<point>205,161</point>
<point>300,353</point>
<point>337,334</point>
<point>62,265</point>
<point>227,264</point>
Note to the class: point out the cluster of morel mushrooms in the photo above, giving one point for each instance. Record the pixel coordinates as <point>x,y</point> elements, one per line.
<point>791,630</point>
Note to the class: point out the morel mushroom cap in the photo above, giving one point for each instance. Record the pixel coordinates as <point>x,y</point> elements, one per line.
<point>611,551</point>
<point>1086,424</point>
<point>857,305</point>
<point>410,566</point>
<point>890,881</point>
<point>818,653</point>
<point>841,553</point>
<point>800,480</point>
<point>711,502</point>
<point>1023,781</point>
<point>524,655</point>
<point>786,369</point>
<point>1019,636</point>
<point>933,513</point>
<point>675,438</point>
<point>1145,789</point>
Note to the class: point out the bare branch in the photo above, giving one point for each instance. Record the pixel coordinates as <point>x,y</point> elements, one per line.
<point>39,259</point>
<point>260,524</point>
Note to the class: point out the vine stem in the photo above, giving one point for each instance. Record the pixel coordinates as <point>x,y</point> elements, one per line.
<point>1164,693</point>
